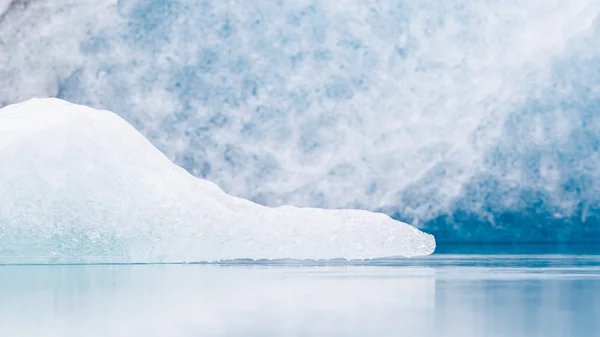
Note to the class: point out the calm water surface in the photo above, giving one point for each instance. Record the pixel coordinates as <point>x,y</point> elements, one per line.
<point>441,295</point>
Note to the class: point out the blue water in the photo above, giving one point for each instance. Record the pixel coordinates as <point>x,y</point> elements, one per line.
<point>440,295</point>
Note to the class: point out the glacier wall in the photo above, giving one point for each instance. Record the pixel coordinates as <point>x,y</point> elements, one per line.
<point>475,121</point>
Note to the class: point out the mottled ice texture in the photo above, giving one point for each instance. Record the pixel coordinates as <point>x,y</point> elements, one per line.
<point>476,120</point>
<point>82,185</point>
<point>4,5</point>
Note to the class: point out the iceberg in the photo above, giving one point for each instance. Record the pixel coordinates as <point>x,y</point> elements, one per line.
<point>79,185</point>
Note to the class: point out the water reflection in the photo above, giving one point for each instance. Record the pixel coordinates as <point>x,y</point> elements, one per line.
<point>478,298</point>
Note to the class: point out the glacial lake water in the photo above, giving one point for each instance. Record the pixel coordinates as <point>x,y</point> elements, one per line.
<point>454,295</point>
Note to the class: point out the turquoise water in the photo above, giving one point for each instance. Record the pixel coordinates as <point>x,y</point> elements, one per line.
<point>439,295</point>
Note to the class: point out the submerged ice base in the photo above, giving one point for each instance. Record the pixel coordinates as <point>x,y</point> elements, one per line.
<point>79,185</point>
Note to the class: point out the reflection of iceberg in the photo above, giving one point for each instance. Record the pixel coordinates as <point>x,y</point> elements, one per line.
<point>81,185</point>
<point>178,301</point>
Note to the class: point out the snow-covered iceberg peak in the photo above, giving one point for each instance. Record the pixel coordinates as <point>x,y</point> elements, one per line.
<point>82,185</point>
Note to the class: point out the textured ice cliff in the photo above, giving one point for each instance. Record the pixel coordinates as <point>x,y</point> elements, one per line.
<point>82,185</point>
<point>477,121</point>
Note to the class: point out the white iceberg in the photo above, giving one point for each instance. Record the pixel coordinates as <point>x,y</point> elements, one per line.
<point>79,185</point>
